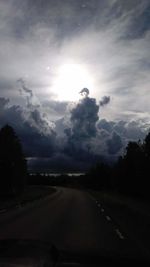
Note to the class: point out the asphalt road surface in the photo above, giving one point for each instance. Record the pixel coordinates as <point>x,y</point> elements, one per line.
<point>70,219</point>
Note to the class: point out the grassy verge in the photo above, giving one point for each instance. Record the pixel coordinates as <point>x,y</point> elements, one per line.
<point>30,194</point>
<point>121,202</point>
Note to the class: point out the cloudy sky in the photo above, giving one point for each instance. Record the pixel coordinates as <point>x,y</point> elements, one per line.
<point>74,78</point>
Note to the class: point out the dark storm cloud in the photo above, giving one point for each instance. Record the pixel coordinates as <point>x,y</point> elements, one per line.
<point>82,129</point>
<point>83,118</point>
<point>85,142</point>
<point>48,151</point>
<point>104,101</point>
<point>116,135</point>
<point>3,103</point>
<point>104,124</point>
<point>10,114</point>
<point>34,142</point>
<point>114,144</point>
<point>34,113</point>
<point>87,136</point>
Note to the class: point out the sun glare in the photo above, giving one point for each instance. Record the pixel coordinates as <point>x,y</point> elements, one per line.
<point>69,80</point>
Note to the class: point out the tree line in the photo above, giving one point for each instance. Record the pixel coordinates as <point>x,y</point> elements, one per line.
<point>13,165</point>
<point>131,173</point>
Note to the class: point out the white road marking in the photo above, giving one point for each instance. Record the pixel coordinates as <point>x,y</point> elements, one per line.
<point>119,234</point>
<point>102,210</point>
<point>108,218</point>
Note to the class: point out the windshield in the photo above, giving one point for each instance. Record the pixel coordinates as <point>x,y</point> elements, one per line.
<point>74,130</point>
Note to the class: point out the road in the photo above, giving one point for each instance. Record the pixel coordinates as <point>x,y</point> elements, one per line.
<point>72,220</point>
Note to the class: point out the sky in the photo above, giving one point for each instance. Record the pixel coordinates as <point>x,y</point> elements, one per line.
<point>74,78</point>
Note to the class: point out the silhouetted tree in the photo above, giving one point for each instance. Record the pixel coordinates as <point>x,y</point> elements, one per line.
<point>99,176</point>
<point>13,166</point>
<point>132,170</point>
<point>146,146</point>
<point>130,175</point>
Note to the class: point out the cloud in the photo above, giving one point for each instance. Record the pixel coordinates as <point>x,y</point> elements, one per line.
<point>10,114</point>
<point>84,117</point>
<point>115,135</point>
<point>34,112</point>
<point>114,144</point>
<point>109,39</point>
<point>3,103</point>
<point>85,92</point>
<point>104,101</point>
<point>35,143</point>
<point>81,130</point>
<point>80,142</point>
<point>24,88</point>
<point>31,100</point>
<point>117,62</point>
<point>106,125</point>
<point>55,110</point>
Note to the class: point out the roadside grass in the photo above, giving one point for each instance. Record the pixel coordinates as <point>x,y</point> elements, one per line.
<point>30,194</point>
<point>121,201</point>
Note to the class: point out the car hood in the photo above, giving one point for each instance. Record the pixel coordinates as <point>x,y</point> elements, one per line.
<point>35,253</point>
<point>21,253</point>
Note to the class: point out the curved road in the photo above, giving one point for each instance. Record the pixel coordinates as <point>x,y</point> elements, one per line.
<point>70,219</point>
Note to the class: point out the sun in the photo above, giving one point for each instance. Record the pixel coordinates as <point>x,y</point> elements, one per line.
<point>69,80</point>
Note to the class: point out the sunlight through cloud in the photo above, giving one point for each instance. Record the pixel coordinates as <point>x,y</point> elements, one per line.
<point>69,80</point>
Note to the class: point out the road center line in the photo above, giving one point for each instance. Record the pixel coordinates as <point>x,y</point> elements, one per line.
<point>119,234</point>
<point>108,218</point>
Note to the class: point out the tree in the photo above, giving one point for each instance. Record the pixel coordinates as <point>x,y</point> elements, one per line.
<point>13,167</point>
<point>99,176</point>
<point>147,146</point>
<point>132,170</point>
